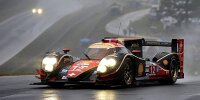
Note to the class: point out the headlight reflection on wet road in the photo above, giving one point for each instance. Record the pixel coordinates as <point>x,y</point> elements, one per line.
<point>50,95</point>
<point>105,95</point>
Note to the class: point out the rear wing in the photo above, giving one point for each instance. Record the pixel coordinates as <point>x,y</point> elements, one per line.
<point>176,44</point>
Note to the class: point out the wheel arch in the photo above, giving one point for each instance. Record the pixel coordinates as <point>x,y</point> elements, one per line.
<point>167,56</point>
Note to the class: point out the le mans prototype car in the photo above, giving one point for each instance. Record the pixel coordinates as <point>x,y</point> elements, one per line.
<point>114,61</point>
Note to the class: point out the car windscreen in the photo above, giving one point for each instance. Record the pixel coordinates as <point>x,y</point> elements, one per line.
<point>97,53</point>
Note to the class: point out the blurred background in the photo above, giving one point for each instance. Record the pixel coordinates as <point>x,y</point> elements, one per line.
<point>30,28</point>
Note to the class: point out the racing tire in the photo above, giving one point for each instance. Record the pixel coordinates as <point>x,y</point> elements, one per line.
<point>173,72</point>
<point>127,75</point>
<point>56,85</point>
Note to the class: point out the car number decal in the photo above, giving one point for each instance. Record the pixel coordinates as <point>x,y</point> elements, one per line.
<point>153,70</point>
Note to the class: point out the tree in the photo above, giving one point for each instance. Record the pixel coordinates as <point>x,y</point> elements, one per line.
<point>181,10</point>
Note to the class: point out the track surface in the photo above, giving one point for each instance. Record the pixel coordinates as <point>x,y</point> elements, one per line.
<point>18,88</point>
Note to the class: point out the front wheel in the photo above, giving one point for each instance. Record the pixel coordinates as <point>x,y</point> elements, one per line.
<point>127,77</point>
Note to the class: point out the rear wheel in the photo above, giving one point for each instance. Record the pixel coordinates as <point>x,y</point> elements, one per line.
<point>173,71</point>
<point>127,77</point>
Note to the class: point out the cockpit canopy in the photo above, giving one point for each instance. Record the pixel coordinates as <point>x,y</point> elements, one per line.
<point>99,50</point>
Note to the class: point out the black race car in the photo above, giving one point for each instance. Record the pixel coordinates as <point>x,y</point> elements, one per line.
<point>114,61</point>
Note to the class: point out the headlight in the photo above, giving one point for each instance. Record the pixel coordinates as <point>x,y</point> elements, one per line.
<point>40,11</point>
<point>37,11</point>
<point>48,63</point>
<point>34,11</point>
<point>101,69</point>
<point>106,63</point>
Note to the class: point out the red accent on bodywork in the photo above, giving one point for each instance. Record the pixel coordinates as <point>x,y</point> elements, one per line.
<point>113,41</point>
<point>136,51</point>
<point>53,79</point>
<point>181,55</point>
<point>80,67</point>
<point>40,72</point>
<point>66,49</point>
<point>156,72</point>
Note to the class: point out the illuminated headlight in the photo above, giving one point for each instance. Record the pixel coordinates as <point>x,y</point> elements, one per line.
<point>48,63</point>
<point>37,11</point>
<point>106,63</point>
<point>40,11</point>
<point>34,11</point>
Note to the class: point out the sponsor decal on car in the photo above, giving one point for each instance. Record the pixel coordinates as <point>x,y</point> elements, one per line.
<point>140,69</point>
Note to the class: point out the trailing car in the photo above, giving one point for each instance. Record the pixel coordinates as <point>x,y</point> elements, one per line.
<point>114,61</point>
<point>116,9</point>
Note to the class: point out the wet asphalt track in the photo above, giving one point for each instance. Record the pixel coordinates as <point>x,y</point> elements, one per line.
<point>18,88</point>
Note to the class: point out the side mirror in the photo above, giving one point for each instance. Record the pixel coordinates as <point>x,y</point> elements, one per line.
<point>66,50</point>
<point>147,59</point>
